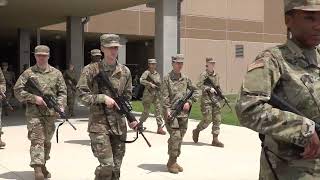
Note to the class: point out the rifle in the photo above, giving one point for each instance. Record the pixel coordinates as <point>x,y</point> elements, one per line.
<point>178,107</point>
<point>51,103</point>
<point>5,101</point>
<point>218,93</point>
<point>153,82</point>
<point>123,103</point>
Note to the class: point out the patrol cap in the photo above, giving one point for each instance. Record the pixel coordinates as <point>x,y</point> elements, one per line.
<point>305,5</point>
<point>110,40</point>
<point>95,52</point>
<point>42,50</point>
<point>152,61</point>
<point>210,60</point>
<point>178,58</point>
<point>4,64</point>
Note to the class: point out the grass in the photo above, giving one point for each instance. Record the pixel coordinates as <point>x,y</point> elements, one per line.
<point>228,117</point>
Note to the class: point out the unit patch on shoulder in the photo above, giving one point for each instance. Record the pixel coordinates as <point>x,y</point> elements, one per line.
<point>259,63</point>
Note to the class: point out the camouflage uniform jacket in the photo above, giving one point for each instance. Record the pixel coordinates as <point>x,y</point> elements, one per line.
<point>91,95</point>
<point>173,89</point>
<point>70,78</point>
<point>149,91</point>
<point>50,81</point>
<point>2,82</point>
<point>279,70</point>
<point>9,76</point>
<point>208,98</point>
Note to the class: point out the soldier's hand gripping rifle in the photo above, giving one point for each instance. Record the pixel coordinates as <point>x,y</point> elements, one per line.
<point>158,85</point>
<point>178,108</point>
<point>51,103</point>
<point>5,101</point>
<point>218,93</point>
<point>124,105</point>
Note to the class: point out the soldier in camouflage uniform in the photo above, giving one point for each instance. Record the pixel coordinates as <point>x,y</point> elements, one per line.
<point>210,106</point>
<point>95,55</point>
<point>2,89</point>
<point>175,86</point>
<point>152,81</point>
<point>40,118</point>
<point>289,72</point>
<point>107,128</point>
<point>10,80</point>
<point>70,78</point>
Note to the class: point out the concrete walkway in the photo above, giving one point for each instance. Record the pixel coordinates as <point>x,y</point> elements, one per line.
<point>72,158</point>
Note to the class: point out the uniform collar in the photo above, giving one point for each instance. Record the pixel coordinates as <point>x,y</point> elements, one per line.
<point>211,73</point>
<point>173,76</point>
<point>36,68</point>
<point>107,67</point>
<point>298,54</point>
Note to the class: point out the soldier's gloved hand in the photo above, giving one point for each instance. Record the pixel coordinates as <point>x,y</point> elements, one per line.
<point>111,103</point>
<point>312,149</point>
<point>40,101</point>
<point>153,85</point>
<point>213,91</point>
<point>133,125</point>
<point>186,107</point>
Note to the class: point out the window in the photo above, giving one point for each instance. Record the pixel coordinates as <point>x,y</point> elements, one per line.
<point>239,51</point>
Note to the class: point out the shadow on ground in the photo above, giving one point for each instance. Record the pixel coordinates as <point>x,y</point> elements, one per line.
<point>195,144</point>
<point>81,142</point>
<point>154,167</point>
<point>19,175</point>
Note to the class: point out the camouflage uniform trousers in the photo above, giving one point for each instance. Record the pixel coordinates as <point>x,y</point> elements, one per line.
<point>71,95</point>
<point>210,114</point>
<point>176,136</point>
<point>40,133</point>
<point>110,151</point>
<point>286,170</point>
<point>9,96</point>
<point>146,102</point>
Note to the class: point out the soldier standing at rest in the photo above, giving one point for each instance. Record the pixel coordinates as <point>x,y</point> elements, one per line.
<point>40,118</point>
<point>174,87</point>
<point>70,78</point>
<point>279,98</point>
<point>210,106</point>
<point>10,80</point>
<point>107,128</point>
<point>152,81</point>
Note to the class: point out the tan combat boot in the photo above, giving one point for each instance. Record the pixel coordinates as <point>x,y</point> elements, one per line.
<point>38,175</point>
<point>161,131</point>
<point>195,135</point>
<point>2,144</point>
<point>172,165</point>
<point>216,142</point>
<point>179,167</point>
<point>45,172</point>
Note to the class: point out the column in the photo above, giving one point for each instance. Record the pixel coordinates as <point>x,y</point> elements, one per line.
<point>166,33</point>
<point>24,48</point>
<point>122,50</point>
<point>74,42</point>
